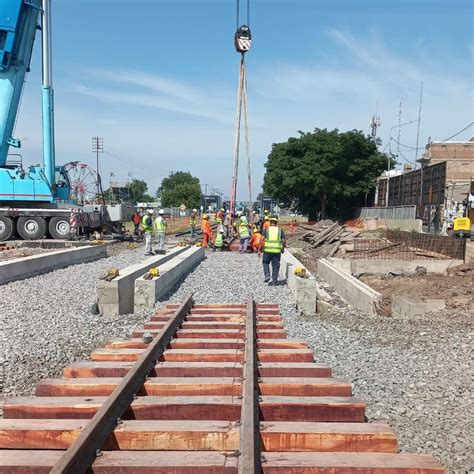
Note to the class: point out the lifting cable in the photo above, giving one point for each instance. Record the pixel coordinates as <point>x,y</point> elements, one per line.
<point>242,43</point>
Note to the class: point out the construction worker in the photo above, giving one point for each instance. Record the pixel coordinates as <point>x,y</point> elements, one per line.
<point>136,219</point>
<point>193,222</point>
<point>219,243</point>
<point>255,239</point>
<point>220,220</point>
<point>147,229</point>
<point>207,235</point>
<point>265,224</point>
<point>160,228</point>
<point>244,234</point>
<point>255,218</point>
<point>273,244</point>
<point>228,224</point>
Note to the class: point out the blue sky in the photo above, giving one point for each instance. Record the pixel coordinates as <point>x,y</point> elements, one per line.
<point>157,79</point>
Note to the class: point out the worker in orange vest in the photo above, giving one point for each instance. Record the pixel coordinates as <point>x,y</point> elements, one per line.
<point>207,235</point>
<point>255,239</point>
<point>266,223</point>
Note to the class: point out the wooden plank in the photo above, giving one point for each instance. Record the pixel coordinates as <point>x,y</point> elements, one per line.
<point>126,462</point>
<point>344,463</point>
<point>137,343</point>
<point>155,386</point>
<point>327,437</point>
<point>274,408</point>
<point>142,408</point>
<point>129,435</point>
<point>173,355</point>
<point>285,355</point>
<point>197,369</point>
<point>292,369</point>
<point>305,387</point>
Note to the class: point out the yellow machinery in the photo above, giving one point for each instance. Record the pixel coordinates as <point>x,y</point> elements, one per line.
<point>462,227</point>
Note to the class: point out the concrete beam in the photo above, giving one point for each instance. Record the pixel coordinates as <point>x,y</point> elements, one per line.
<point>117,296</point>
<point>306,291</point>
<point>405,266</point>
<point>148,292</point>
<point>356,293</point>
<point>406,307</point>
<point>27,267</point>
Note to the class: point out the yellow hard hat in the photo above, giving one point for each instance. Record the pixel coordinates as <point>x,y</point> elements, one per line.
<point>205,216</point>
<point>266,218</point>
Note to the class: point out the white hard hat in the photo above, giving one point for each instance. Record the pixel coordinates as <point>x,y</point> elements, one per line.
<point>150,211</point>
<point>194,210</point>
<point>161,212</point>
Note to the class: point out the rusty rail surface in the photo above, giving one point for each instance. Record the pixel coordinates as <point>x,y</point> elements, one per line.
<point>79,457</point>
<point>219,390</point>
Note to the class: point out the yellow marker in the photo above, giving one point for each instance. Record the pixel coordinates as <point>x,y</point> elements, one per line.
<point>300,271</point>
<point>154,272</point>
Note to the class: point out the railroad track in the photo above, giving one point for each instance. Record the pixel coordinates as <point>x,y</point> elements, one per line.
<point>220,389</point>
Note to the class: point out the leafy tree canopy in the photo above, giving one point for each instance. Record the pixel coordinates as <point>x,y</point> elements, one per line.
<point>324,171</point>
<point>180,188</point>
<point>138,190</point>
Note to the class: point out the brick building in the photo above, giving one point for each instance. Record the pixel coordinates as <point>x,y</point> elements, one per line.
<point>459,157</point>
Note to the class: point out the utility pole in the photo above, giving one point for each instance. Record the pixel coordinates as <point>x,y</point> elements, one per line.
<point>97,147</point>
<point>419,121</point>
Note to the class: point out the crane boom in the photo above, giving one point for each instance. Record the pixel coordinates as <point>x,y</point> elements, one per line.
<point>18,24</point>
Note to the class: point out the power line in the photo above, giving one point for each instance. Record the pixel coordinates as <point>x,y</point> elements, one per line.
<point>458,133</point>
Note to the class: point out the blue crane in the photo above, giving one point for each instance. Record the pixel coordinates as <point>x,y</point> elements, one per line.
<point>28,191</point>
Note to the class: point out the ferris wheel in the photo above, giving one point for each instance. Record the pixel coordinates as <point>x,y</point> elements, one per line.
<point>84,182</point>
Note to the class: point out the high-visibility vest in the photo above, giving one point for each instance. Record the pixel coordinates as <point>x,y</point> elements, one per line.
<point>160,224</point>
<point>273,241</point>
<point>244,231</point>
<point>147,224</point>
<point>219,218</point>
<point>192,221</point>
<point>219,243</point>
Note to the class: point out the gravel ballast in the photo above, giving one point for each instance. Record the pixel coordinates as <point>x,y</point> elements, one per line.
<point>415,375</point>
<point>46,321</point>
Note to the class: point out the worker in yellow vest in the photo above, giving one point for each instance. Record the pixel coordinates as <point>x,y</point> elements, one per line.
<point>160,228</point>
<point>193,222</point>
<point>147,229</point>
<point>273,244</point>
<point>219,242</point>
<point>244,234</point>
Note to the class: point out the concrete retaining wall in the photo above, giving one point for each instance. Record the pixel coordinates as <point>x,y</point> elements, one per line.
<point>386,266</point>
<point>117,296</point>
<point>148,292</point>
<point>27,267</point>
<point>356,293</point>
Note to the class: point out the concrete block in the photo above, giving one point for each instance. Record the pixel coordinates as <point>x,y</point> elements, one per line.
<point>27,267</point>
<point>148,292</point>
<point>117,296</point>
<point>403,306</point>
<point>343,264</point>
<point>385,266</point>
<point>356,293</point>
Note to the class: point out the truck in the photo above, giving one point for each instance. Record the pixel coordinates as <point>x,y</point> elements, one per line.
<point>34,202</point>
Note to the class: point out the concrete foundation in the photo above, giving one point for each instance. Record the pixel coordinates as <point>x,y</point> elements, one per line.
<point>148,292</point>
<point>356,293</point>
<point>385,266</point>
<point>27,267</point>
<point>403,306</point>
<point>117,296</point>
<point>307,291</point>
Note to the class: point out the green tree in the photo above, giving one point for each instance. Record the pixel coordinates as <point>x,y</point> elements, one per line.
<point>324,170</point>
<point>138,190</point>
<point>180,188</point>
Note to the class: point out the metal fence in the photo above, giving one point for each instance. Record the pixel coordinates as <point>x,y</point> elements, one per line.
<point>444,245</point>
<point>391,212</point>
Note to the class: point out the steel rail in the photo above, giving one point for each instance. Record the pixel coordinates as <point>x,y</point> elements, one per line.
<point>249,460</point>
<point>80,456</point>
